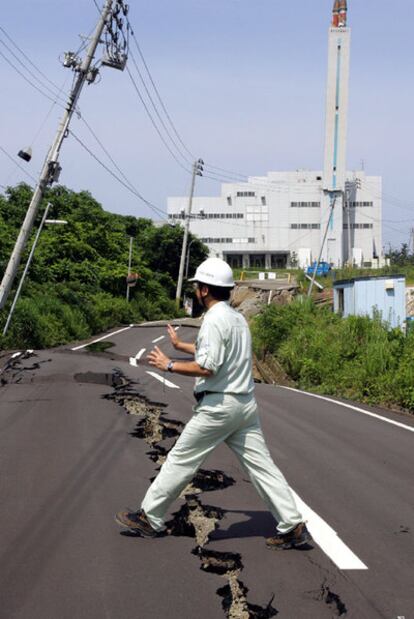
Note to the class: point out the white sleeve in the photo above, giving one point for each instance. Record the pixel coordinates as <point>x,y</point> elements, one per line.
<point>210,347</point>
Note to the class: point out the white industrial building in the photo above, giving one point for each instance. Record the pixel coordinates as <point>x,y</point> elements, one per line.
<point>284,218</point>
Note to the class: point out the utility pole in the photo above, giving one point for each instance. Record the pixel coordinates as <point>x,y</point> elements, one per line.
<point>333,202</point>
<point>351,188</point>
<point>115,57</point>
<point>411,241</point>
<point>197,171</point>
<point>347,206</point>
<point>129,266</point>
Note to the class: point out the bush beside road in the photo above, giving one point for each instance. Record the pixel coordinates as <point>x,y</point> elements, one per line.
<point>76,285</point>
<point>355,358</point>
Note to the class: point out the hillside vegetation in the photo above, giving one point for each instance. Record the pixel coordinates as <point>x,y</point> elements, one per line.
<point>77,281</point>
<point>355,358</point>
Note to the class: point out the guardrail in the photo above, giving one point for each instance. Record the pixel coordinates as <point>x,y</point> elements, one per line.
<point>265,275</point>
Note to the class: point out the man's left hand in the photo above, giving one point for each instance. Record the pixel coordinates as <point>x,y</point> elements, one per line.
<point>158,359</point>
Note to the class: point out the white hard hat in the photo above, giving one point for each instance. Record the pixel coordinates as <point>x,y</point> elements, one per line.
<point>214,271</point>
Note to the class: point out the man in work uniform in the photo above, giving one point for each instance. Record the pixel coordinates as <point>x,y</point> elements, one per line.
<point>226,410</point>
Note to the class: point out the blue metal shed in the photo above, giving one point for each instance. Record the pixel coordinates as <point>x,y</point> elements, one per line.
<point>363,296</point>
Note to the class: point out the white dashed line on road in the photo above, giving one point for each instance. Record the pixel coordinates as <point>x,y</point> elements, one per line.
<point>176,328</point>
<point>163,380</point>
<point>104,337</point>
<point>133,362</point>
<point>140,353</point>
<point>158,339</point>
<point>354,408</point>
<point>328,540</point>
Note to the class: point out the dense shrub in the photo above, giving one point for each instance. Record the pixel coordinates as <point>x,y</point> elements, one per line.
<point>356,357</point>
<point>77,280</point>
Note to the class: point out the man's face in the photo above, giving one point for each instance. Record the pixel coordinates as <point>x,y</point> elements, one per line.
<point>200,292</point>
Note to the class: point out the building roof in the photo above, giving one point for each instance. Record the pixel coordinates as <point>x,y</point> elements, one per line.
<point>366,278</point>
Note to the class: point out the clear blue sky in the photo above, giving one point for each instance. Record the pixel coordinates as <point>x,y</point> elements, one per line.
<point>244,82</point>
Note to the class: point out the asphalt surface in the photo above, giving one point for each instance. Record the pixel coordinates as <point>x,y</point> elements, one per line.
<point>71,456</point>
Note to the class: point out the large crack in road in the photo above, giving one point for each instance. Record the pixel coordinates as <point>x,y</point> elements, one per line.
<point>194,519</point>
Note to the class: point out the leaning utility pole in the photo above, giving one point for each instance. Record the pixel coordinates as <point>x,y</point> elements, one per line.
<point>197,171</point>
<point>333,196</point>
<point>116,58</point>
<point>131,239</point>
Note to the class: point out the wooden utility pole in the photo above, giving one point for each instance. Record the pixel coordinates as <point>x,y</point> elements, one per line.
<point>197,171</point>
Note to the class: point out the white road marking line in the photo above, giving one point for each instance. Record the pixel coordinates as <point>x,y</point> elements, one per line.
<point>328,540</point>
<point>354,408</point>
<point>163,380</point>
<point>104,337</point>
<point>16,354</point>
<point>133,361</point>
<point>176,328</point>
<point>140,353</point>
<point>158,339</point>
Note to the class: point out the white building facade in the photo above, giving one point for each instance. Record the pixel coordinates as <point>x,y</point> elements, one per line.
<point>279,220</point>
<point>285,218</point>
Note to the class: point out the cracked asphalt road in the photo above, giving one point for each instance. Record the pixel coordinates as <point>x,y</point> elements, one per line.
<point>69,460</point>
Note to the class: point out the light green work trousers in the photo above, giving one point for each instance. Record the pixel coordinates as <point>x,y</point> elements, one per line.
<point>218,418</point>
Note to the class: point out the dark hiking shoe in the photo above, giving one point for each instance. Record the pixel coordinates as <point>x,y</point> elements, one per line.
<point>137,522</point>
<point>299,536</point>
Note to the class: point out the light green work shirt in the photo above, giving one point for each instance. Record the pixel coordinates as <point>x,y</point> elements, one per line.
<point>224,346</point>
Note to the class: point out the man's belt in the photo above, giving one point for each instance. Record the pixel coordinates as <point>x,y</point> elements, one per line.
<point>199,395</point>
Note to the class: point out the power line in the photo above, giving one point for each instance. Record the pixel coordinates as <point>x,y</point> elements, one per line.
<point>155,124</point>
<point>107,153</point>
<point>30,72</point>
<point>28,59</point>
<point>18,165</point>
<point>192,156</point>
<point>29,81</point>
<point>184,157</point>
<point>168,116</point>
<point>127,186</point>
<point>46,118</point>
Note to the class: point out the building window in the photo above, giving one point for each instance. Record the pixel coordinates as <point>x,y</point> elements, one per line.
<point>242,241</point>
<point>305,204</point>
<point>263,198</point>
<point>357,204</point>
<point>305,226</point>
<point>223,216</point>
<point>246,194</point>
<point>359,226</point>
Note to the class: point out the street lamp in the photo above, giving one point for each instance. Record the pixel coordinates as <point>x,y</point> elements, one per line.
<point>29,260</point>
<point>188,258</point>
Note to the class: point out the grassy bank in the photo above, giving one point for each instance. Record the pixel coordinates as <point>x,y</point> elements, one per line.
<point>355,358</point>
